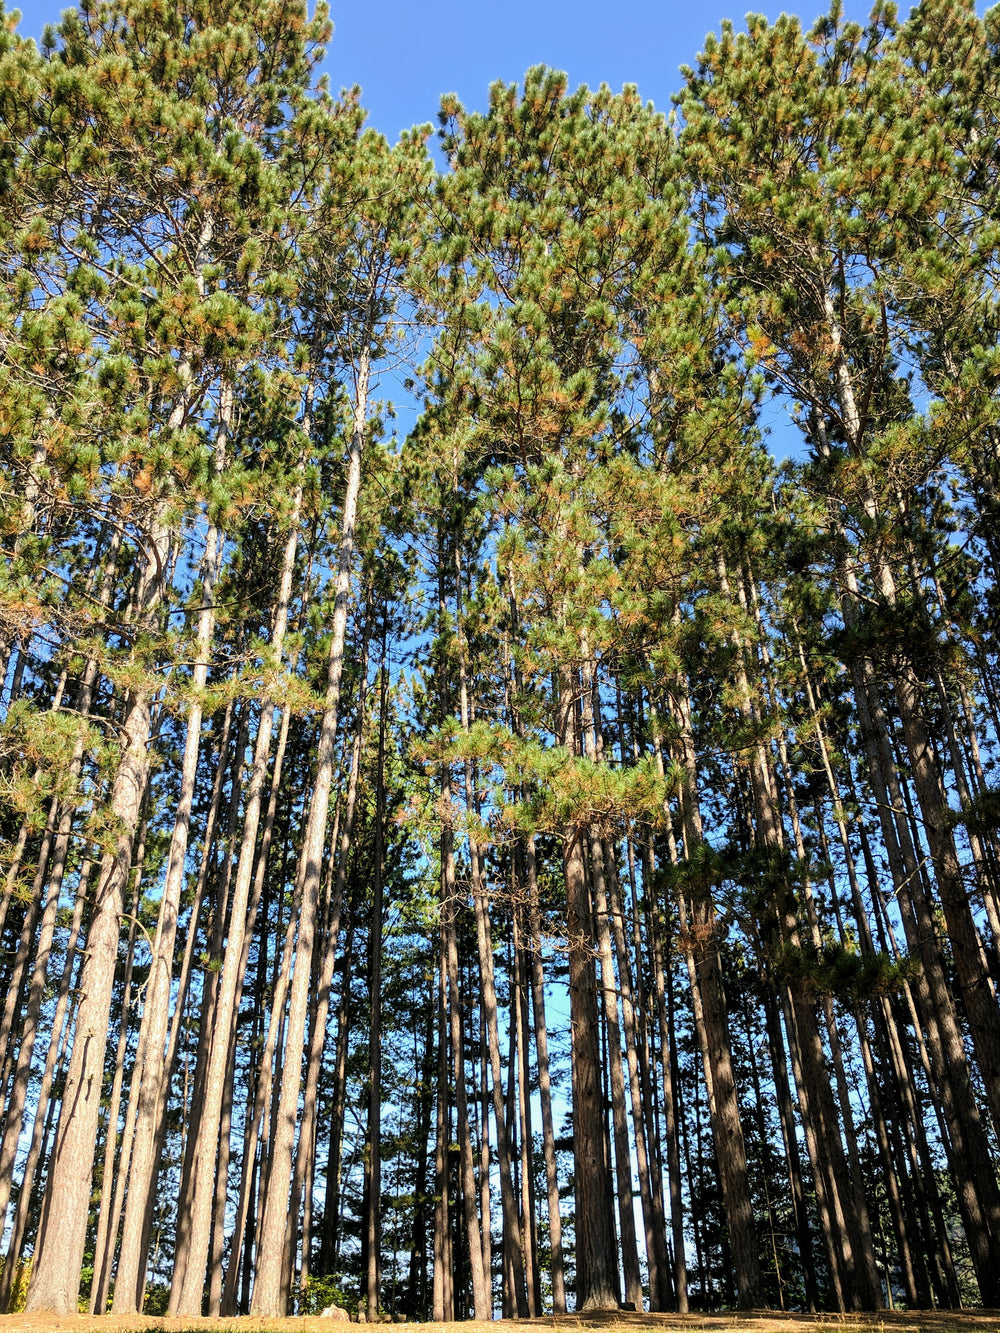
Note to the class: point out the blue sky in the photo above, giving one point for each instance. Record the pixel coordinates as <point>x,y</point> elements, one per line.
<point>405,55</point>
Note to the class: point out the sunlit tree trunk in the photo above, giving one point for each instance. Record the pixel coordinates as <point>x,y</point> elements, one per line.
<point>148,1077</point>
<point>191,1259</point>
<point>59,1251</point>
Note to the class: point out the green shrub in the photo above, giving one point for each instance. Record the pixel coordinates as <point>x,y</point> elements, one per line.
<point>324,1291</point>
<point>19,1288</point>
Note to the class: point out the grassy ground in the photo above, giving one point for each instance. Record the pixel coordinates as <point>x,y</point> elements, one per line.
<point>765,1321</point>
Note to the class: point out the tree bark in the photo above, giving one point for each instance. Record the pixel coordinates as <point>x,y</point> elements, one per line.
<point>545,1085</point>
<point>55,1278</point>
<point>267,1296</point>
<point>373,1173</point>
<point>43,1113</point>
<point>191,1260</point>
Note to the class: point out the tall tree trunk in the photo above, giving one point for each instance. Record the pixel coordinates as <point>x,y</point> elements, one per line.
<point>267,1296</point>
<point>416,1299</point>
<point>609,998</point>
<point>596,1263</point>
<point>481,1295</point>
<point>112,1181</point>
<point>305,1158</point>
<point>556,1268</point>
<point>442,1296</point>
<point>596,1266</point>
<point>43,1108</point>
<point>373,1172</point>
<point>55,1278</point>
<point>513,1258</point>
<point>330,1242</point>
<point>651,1194</point>
<point>545,1085</point>
<point>623,1156</point>
<point>148,1078</point>
<point>253,1117</point>
<point>713,1032</point>
<point>191,1259</point>
<point>971,1160</point>
<point>793,1158</point>
<point>520,1024</point>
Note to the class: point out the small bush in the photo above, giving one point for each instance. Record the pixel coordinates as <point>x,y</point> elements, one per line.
<point>19,1288</point>
<point>324,1291</point>
<point>156,1299</point>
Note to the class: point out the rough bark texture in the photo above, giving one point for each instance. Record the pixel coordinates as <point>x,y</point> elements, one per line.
<point>55,1278</point>
<point>596,1250</point>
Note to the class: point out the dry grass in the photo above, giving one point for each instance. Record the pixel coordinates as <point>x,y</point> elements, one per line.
<point>613,1321</point>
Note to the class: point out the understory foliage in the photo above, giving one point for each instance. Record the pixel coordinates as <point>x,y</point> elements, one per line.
<point>549,856</point>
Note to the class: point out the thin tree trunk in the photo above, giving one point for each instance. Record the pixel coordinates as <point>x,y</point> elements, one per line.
<point>267,1295</point>
<point>713,1032</point>
<point>18,1090</point>
<point>651,1196</point>
<point>545,1085</point>
<point>306,1155</point>
<point>670,1073</point>
<point>330,1244</point>
<point>43,1114</point>
<point>481,1296</point>
<point>111,1196</point>
<point>623,1157</point>
<point>149,1076</point>
<point>51,864</point>
<point>250,1155</point>
<point>191,1261</point>
<point>520,1021</point>
<point>416,1300</point>
<point>556,1267</point>
<point>443,1286</point>
<point>373,1212</point>
<point>513,1257</point>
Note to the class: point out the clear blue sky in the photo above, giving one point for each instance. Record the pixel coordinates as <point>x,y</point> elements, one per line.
<point>405,54</point>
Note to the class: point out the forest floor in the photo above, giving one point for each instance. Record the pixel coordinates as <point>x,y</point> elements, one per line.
<point>764,1321</point>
